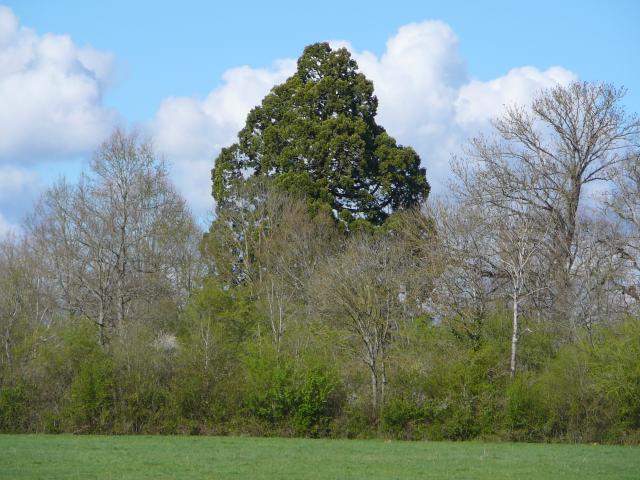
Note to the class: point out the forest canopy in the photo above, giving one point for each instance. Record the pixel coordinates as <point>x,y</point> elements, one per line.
<point>329,298</point>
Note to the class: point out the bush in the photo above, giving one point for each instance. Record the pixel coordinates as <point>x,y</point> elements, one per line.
<point>467,393</point>
<point>303,399</point>
<point>616,371</point>
<point>91,404</point>
<point>405,419</point>
<point>141,403</point>
<point>527,412</point>
<point>588,392</point>
<point>272,394</point>
<point>15,407</point>
<point>316,402</point>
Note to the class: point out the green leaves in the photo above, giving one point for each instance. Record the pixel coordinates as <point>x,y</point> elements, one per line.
<point>318,128</point>
<point>281,391</point>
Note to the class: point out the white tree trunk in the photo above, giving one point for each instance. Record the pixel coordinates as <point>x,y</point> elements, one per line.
<point>514,336</point>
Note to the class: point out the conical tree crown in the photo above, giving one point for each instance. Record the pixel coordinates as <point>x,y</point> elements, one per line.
<point>317,134</point>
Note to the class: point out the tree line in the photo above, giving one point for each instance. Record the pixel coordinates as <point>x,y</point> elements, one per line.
<point>330,296</point>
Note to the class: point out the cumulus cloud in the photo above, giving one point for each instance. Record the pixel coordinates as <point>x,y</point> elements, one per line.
<point>417,78</point>
<point>479,101</point>
<point>427,99</point>
<point>51,93</point>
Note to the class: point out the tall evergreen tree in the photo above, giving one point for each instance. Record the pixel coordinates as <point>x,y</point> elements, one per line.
<point>316,134</point>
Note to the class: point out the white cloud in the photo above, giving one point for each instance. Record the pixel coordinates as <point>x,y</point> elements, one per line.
<point>417,78</point>
<point>16,184</point>
<point>51,93</point>
<point>193,178</point>
<point>477,101</point>
<point>427,99</point>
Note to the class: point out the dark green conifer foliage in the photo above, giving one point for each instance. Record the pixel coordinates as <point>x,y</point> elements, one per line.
<point>317,134</point>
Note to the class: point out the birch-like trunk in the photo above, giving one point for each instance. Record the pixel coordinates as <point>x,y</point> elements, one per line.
<point>514,336</point>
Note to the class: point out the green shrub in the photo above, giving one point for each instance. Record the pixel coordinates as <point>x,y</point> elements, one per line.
<point>91,403</point>
<point>283,394</point>
<point>272,393</point>
<point>141,403</point>
<point>405,419</point>
<point>15,407</point>
<point>615,367</point>
<point>316,402</point>
<point>527,412</point>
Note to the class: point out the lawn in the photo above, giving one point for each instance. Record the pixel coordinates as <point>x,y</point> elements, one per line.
<point>157,457</point>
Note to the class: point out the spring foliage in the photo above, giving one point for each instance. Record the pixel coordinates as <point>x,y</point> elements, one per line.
<point>320,303</point>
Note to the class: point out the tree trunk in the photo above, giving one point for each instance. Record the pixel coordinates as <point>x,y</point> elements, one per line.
<point>514,336</point>
<point>374,387</point>
<point>101,325</point>
<point>384,380</point>
<point>7,348</point>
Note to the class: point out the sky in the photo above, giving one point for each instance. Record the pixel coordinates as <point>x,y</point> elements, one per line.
<point>185,74</point>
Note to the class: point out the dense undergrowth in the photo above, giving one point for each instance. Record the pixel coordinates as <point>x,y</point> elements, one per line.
<point>441,385</point>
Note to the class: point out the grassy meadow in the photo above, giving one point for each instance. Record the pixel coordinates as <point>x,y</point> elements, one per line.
<point>166,457</point>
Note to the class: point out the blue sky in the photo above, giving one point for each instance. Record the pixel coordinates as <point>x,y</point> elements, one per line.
<point>168,69</point>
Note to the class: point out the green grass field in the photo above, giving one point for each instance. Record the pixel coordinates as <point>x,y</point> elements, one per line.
<point>156,457</point>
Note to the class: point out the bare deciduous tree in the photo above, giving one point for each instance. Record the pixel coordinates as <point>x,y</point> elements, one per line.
<point>364,290</point>
<point>288,254</point>
<point>544,157</point>
<point>602,271</point>
<point>467,274</point>
<point>266,238</point>
<point>25,304</point>
<point>624,203</point>
<point>517,241</point>
<point>119,237</point>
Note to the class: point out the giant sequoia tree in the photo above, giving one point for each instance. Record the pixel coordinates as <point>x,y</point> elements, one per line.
<point>317,134</point>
